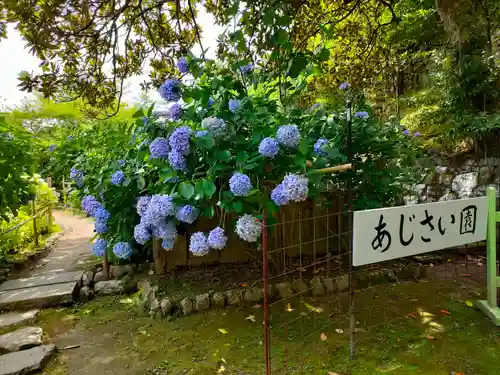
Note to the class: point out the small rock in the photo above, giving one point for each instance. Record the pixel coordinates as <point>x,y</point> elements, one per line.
<point>300,286</point>
<point>342,283</point>
<point>317,288</point>
<point>484,176</point>
<point>110,287</point>
<point>21,339</point>
<point>117,272</point>
<point>329,284</point>
<point>154,307</point>
<point>186,306</point>
<point>27,361</point>
<point>202,302</point>
<point>85,294</point>
<point>253,295</point>
<point>166,306</point>
<point>284,290</point>
<point>218,300</point>
<point>100,276</point>
<point>13,318</point>
<point>87,278</point>
<point>463,184</point>
<point>233,297</point>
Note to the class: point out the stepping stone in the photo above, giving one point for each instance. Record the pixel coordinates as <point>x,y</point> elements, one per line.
<point>46,279</point>
<point>37,297</point>
<point>13,318</point>
<point>21,339</point>
<point>26,361</point>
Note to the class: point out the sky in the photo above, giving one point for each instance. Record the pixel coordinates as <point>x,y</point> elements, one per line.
<point>16,58</point>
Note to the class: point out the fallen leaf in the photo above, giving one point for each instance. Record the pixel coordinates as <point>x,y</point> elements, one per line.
<point>257,306</point>
<point>312,308</point>
<point>339,331</point>
<point>244,285</point>
<point>430,337</point>
<point>222,330</point>
<point>289,307</point>
<point>467,275</point>
<point>413,316</point>
<point>323,337</point>
<point>469,303</point>
<point>251,318</point>
<point>446,312</point>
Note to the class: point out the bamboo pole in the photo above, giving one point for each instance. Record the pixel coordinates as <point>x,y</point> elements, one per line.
<point>33,212</point>
<point>50,218</point>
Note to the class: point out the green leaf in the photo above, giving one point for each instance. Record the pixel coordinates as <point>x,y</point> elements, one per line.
<point>238,207</point>
<point>223,155</point>
<point>284,20</point>
<point>141,183</point>
<point>186,189</point>
<point>209,211</point>
<point>207,142</point>
<point>295,65</point>
<point>268,17</point>
<point>250,166</point>
<point>281,37</point>
<point>208,187</point>
<point>138,114</point>
<point>198,189</point>
<point>324,55</point>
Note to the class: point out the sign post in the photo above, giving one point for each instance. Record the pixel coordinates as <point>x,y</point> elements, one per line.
<point>490,305</point>
<point>397,232</point>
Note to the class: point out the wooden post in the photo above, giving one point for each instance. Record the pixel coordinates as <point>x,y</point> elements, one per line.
<point>64,190</point>
<point>105,265</point>
<point>33,212</point>
<point>159,257</point>
<point>50,218</point>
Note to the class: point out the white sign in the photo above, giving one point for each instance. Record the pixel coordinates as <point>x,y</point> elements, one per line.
<point>396,232</point>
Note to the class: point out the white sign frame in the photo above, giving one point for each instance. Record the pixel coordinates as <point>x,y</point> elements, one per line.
<point>417,238</point>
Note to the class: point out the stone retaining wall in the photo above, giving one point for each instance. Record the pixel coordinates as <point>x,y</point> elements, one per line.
<point>150,300</point>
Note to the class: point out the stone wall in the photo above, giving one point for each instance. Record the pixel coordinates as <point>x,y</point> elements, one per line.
<point>458,178</point>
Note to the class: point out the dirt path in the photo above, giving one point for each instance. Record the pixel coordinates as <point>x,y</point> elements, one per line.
<point>73,245</point>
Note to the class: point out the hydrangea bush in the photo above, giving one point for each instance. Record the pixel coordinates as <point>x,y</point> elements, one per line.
<point>228,144</point>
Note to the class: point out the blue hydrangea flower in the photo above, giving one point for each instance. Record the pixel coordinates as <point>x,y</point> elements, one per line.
<point>198,244</point>
<point>217,239</point>
<point>183,65</point>
<point>100,226</point>
<point>101,214</point>
<point>240,184</point>
<point>141,234</point>
<point>168,243</point>
<point>344,86</point>
<point>117,178</point>
<point>247,69</point>
<point>121,162</point>
<point>406,132</point>
<point>52,147</point>
<point>175,111</point>
<point>165,229</point>
<point>90,204</point>
<point>315,106</point>
<point>288,135</point>
<point>159,148</point>
<point>99,247</point>
<point>416,134</point>
<point>211,102</point>
<point>160,206</point>
<point>70,138</point>
<point>177,161</point>
<point>143,204</point>
<point>187,214</point>
<point>295,187</point>
<point>201,133</point>
<point>248,228</point>
<point>361,114</point>
<point>234,105</point>
<point>170,90</point>
<point>122,250</point>
<point>179,140</point>
<point>77,176</point>
<point>215,126</point>
<point>279,196</point>
<point>269,147</point>
<point>318,146</point>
